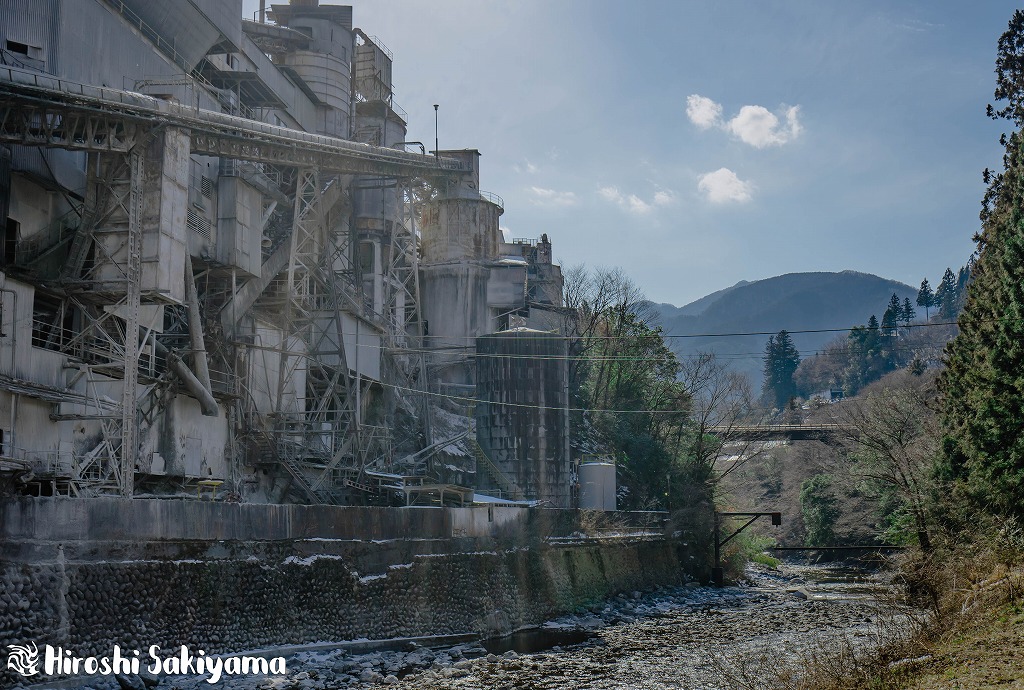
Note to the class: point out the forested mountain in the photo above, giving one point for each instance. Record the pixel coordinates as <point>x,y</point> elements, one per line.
<point>794,302</point>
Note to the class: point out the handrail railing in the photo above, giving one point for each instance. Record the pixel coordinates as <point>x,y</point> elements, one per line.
<point>493,198</point>
<point>150,33</point>
<point>400,111</point>
<point>161,43</point>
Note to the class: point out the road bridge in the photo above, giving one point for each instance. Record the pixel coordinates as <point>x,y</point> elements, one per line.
<point>790,432</point>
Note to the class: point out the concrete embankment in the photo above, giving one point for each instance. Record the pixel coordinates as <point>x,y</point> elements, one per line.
<point>89,574</point>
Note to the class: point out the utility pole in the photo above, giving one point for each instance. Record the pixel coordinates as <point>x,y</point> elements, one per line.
<point>437,150</point>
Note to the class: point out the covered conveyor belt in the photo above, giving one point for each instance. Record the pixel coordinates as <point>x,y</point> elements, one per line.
<point>39,110</point>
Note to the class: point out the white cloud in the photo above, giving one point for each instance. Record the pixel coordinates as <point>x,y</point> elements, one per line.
<point>754,124</point>
<point>703,111</point>
<point>757,126</point>
<point>634,204</point>
<point>916,25</point>
<point>663,197</point>
<point>722,186</point>
<point>637,205</point>
<point>552,197</point>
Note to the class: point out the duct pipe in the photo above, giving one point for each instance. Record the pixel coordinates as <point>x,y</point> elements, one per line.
<point>206,400</point>
<point>195,327</point>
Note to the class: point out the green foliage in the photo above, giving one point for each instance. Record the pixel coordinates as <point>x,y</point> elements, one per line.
<point>946,297</point>
<point>1010,72</point>
<point>893,313</point>
<point>746,547</point>
<point>983,385</point>
<point>894,450</point>
<point>637,409</point>
<point>897,527</point>
<point>925,297</point>
<point>781,359</point>
<point>869,356</point>
<point>896,522</point>
<point>820,510</point>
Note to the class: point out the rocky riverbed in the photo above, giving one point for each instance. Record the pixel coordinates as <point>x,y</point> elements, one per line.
<point>688,637</point>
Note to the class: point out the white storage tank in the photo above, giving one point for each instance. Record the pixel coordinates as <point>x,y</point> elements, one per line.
<point>597,486</point>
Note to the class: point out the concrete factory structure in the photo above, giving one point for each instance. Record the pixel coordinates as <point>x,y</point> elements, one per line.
<point>523,385</point>
<point>224,269</point>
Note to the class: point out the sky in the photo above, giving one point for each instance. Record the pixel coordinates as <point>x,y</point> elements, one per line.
<point>697,143</point>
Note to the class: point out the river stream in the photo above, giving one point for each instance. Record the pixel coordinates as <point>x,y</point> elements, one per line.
<point>697,638</point>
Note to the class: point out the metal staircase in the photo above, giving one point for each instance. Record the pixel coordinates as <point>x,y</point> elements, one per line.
<point>285,453</point>
<point>48,241</point>
<point>505,483</point>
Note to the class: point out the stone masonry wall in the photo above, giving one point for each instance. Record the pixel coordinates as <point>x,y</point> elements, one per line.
<point>232,596</point>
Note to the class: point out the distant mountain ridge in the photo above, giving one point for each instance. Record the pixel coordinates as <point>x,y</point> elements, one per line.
<point>697,307</point>
<point>794,301</point>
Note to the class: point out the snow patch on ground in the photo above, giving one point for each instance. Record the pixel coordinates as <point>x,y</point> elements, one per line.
<point>310,560</point>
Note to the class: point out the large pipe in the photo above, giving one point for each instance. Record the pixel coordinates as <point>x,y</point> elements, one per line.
<point>206,400</point>
<point>195,326</point>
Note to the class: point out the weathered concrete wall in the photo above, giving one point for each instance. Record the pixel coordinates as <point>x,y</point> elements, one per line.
<point>348,578</point>
<point>522,386</point>
<point>454,302</point>
<point>107,519</point>
<point>460,230</point>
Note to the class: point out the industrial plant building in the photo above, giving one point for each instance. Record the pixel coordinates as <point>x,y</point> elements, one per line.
<point>226,272</point>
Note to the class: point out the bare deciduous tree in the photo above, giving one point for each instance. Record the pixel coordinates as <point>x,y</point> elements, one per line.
<point>893,435</point>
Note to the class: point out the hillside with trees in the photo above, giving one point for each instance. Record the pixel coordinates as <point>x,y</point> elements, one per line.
<point>795,302</point>
<point>874,348</point>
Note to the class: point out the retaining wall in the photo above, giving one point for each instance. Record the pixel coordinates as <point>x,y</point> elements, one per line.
<point>88,574</point>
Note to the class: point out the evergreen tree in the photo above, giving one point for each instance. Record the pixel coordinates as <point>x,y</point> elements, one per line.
<point>871,352</point>
<point>893,312</point>
<point>962,278</point>
<point>983,384</point>
<point>909,313</point>
<point>781,358</point>
<point>945,296</point>
<point>889,321</point>
<point>895,305</point>
<point>925,297</point>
